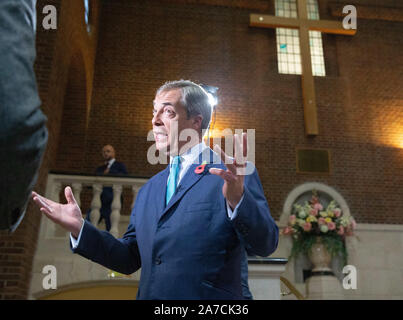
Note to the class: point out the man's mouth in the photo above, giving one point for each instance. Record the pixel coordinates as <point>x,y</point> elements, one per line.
<point>160,135</point>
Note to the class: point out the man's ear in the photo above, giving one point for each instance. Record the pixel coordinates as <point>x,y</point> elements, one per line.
<point>197,122</point>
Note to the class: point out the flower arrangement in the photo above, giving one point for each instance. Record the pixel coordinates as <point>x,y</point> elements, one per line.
<point>312,220</point>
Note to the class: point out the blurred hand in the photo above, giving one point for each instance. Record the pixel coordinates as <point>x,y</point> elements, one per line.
<point>234,175</point>
<point>68,216</point>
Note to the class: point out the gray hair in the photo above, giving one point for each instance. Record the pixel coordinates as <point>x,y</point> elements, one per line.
<point>194,98</point>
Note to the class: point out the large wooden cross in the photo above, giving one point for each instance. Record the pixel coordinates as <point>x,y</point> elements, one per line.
<point>303,24</point>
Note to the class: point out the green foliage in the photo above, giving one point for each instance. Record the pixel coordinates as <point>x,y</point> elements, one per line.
<point>334,244</point>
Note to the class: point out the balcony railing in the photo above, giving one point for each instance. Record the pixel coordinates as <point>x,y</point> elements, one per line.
<point>78,182</point>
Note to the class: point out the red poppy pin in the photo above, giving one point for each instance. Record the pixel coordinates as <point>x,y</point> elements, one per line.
<point>200,169</point>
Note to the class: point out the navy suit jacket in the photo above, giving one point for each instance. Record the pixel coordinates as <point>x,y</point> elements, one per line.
<point>116,168</point>
<point>188,249</point>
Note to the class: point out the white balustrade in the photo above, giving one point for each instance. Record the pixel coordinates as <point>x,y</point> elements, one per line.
<point>52,192</point>
<point>135,190</point>
<point>78,182</point>
<point>77,187</point>
<point>96,204</point>
<point>116,206</point>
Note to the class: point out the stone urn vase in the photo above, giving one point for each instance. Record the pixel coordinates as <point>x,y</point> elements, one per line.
<point>319,256</point>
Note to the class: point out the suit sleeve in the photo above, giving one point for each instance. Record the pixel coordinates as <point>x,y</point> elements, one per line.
<point>100,170</point>
<point>253,222</point>
<point>23,133</point>
<point>122,168</point>
<point>121,255</point>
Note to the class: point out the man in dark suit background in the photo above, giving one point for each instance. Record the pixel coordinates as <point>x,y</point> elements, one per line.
<point>191,222</point>
<point>110,167</point>
<point>23,133</point>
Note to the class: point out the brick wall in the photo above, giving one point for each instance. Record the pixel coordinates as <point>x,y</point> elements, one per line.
<point>144,43</point>
<point>55,50</point>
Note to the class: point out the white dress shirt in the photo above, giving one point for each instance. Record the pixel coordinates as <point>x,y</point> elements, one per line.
<point>110,163</point>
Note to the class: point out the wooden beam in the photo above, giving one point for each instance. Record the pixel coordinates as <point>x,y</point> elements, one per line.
<point>302,9</point>
<point>325,26</point>
<point>330,26</point>
<point>308,85</point>
<point>266,21</point>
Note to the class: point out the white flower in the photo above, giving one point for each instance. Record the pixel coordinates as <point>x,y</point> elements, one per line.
<point>344,221</point>
<point>331,205</point>
<point>302,214</point>
<point>297,206</point>
<point>324,228</point>
<point>300,222</point>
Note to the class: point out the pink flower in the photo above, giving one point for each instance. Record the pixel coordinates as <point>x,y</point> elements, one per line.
<point>331,225</point>
<point>292,218</point>
<point>313,212</point>
<point>337,212</point>
<point>317,206</point>
<point>321,220</point>
<point>341,231</point>
<point>307,226</point>
<point>287,230</point>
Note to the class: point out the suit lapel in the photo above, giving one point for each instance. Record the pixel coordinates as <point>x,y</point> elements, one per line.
<point>161,182</point>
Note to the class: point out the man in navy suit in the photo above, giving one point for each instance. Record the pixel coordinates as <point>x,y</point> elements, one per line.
<point>191,222</point>
<point>110,167</point>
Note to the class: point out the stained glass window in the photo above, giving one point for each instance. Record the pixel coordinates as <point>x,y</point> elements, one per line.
<point>288,50</point>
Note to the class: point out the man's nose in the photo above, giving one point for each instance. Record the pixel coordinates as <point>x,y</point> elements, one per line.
<point>156,121</point>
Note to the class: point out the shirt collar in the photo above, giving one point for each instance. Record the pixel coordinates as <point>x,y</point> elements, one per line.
<point>192,153</point>
<point>110,162</point>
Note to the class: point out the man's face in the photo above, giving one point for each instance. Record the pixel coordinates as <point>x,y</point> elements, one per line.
<point>108,152</point>
<point>169,114</point>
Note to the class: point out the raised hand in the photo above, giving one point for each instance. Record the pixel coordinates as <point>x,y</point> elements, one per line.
<point>234,175</point>
<point>68,216</point>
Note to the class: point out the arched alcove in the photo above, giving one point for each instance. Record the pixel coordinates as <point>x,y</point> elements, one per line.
<point>71,147</point>
<point>305,190</point>
<point>300,266</point>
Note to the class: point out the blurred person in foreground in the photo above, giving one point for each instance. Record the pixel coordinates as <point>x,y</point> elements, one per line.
<point>23,133</point>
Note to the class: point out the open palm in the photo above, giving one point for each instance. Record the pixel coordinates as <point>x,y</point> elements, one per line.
<point>234,175</point>
<point>68,215</point>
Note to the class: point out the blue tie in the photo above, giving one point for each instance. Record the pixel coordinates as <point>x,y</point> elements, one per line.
<point>173,178</point>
